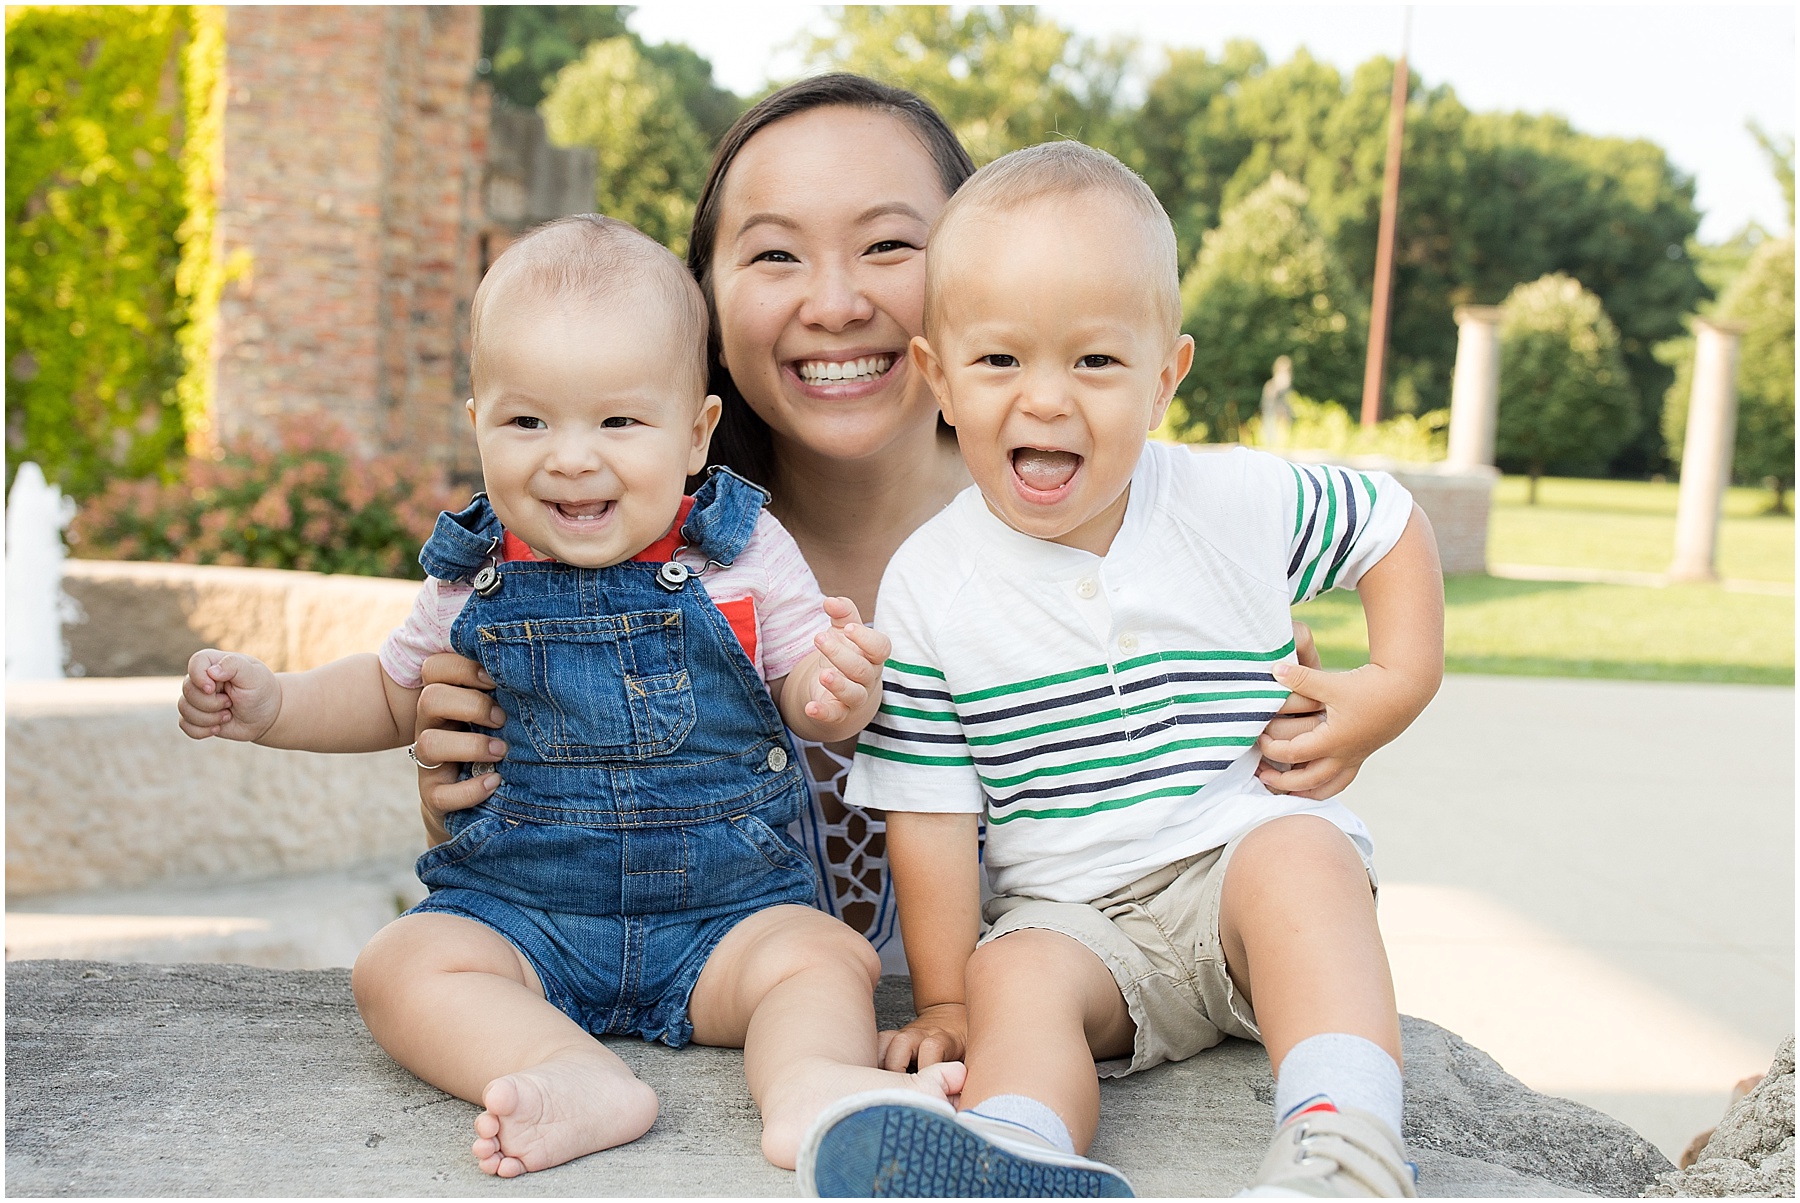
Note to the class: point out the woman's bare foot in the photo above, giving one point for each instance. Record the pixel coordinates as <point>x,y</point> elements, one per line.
<point>559,1110</point>
<point>790,1110</point>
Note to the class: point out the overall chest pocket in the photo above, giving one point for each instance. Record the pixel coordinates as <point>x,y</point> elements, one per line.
<point>595,688</point>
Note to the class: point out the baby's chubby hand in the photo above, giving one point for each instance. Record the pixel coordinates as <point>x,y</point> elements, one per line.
<point>851,657</point>
<point>229,695</point>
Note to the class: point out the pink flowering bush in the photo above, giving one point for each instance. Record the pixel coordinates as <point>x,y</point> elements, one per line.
<point>308,502</point>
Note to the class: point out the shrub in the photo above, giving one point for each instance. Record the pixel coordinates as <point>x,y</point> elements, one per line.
<point>112,129</point>
<point>1566,402</point>
<point>309,502</point>
<point>1321,426</point>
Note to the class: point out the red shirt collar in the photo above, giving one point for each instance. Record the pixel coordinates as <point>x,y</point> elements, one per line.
<point>514,548</point>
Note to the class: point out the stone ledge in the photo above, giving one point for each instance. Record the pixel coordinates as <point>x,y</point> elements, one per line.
<point>104,791</point>
<point>145,619</point>
<point>226,1080</point>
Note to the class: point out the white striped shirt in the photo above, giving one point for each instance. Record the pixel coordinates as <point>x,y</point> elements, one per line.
<point>1103,711</point>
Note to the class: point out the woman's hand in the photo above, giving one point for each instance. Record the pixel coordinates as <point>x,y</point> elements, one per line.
<point>1299,714</point>
<point>453,700</point>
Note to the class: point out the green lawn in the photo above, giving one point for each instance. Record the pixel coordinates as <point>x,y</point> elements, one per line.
<point>1630,526</point>
<point>1554,628</point>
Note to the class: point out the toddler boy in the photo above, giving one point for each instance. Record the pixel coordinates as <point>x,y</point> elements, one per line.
<point>1087,648</point>
<point>632,874</point>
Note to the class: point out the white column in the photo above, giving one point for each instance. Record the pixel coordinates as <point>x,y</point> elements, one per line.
<point>1706,453</point>
<point>1475,391</point>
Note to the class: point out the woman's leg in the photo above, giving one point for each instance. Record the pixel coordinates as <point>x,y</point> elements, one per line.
<point>795,989</point>
<point>454,1002</point>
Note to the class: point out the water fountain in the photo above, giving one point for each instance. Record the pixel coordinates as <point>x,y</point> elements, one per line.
<point>36,606</point>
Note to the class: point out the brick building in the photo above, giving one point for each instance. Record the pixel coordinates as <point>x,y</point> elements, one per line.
<point>360,202</point>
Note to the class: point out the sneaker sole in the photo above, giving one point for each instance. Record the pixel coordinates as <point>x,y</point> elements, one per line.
<point>902,1149</point>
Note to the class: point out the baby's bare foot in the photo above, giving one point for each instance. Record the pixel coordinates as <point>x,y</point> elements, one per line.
<point>788,1114</point>
<point>554,1112</point>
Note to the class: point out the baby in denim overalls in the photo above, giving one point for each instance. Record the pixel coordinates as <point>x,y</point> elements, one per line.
<point>632,874</point>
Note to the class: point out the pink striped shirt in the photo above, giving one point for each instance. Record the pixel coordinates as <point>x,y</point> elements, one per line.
<point>769,574</point>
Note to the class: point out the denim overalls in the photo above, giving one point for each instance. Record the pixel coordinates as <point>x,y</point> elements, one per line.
<point>627,837</point>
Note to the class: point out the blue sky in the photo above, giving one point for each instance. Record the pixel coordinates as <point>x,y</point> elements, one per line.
<point>1684,76</point>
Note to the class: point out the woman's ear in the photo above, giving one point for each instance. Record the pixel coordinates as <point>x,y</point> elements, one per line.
<point>928,365</point>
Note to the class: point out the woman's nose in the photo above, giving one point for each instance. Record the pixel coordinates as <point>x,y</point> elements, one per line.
<point>836,300</point>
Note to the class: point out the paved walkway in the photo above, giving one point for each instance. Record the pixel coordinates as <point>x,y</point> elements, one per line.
<point>1593,881</point>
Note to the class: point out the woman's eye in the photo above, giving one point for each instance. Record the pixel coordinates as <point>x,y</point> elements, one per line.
<point>1000,361</point>
<point>618,423</point>
<point>525,422</point>
<point>889,245</point>
<point>1097,361</point>
<point>773,257</point>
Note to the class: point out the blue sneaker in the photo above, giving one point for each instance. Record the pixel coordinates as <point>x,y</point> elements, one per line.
<point>901,1144</point>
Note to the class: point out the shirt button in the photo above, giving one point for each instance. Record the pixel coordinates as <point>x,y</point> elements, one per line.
<point>1128,642</point>
<point>777,759</point>
<point>1087,587</point>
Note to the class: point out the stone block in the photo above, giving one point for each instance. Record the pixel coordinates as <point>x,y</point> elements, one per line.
<point>1457,500</point>
<point>226,1080</point>
<point>103,790</point>
<point>145,619</point>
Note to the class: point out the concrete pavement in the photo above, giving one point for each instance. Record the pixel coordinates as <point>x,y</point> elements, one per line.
<point>1593,881</point>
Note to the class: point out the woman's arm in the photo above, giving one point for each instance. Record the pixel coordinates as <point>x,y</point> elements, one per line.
<point>454,699</point>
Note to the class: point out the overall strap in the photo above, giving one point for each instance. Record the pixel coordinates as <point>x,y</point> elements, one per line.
<point>462,542</point>
<point>724,515</point>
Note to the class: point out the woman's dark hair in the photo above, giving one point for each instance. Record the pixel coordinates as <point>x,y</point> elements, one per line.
<point>742,440</point>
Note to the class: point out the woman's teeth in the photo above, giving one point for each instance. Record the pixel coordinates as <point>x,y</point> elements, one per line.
<point>820,371</point>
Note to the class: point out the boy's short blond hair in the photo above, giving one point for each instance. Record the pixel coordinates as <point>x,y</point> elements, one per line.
<point>590,258</point>
<point>1046,171</point>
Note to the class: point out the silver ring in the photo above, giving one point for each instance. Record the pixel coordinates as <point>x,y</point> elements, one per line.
<point>412,752</point>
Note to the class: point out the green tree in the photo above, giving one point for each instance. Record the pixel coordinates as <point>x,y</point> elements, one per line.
<point>525,45</point>
<point>1002,76</point>
<point>652,157</point>
<point>98,204</point>
<point>1266,284</point>
<point>1566,403</point>
<point>1757,297</point>
<point>1487,201</point>
<point>1760,302</point>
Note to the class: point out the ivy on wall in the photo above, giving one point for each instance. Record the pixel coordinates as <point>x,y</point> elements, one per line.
<point>113,124</point>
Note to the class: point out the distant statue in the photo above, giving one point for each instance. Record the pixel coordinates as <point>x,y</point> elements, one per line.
<point>1276,414</point>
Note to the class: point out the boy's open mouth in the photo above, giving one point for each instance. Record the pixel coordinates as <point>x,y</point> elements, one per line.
<point>582,511</point>
<point>864,370</point>
<point>1044,471</point>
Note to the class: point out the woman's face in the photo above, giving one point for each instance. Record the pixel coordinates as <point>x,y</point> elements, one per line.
<point>818,278</point>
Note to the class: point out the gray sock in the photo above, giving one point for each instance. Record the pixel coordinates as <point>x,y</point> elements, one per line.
<point>1022,1118</point>
<point>1343,1070</point>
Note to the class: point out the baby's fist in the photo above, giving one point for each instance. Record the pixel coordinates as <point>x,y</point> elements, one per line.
<point>848,686</point>
<point>229,695</point>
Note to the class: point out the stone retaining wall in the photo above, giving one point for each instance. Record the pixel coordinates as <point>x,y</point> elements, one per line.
<point>103,790</point>
<point>145,620</point>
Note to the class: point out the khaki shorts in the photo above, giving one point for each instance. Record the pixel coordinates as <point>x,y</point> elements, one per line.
<point>1159,936</point>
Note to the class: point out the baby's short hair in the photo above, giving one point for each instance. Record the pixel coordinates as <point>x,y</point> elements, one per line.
<point>591,258</point>
<point>1059,169</point>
